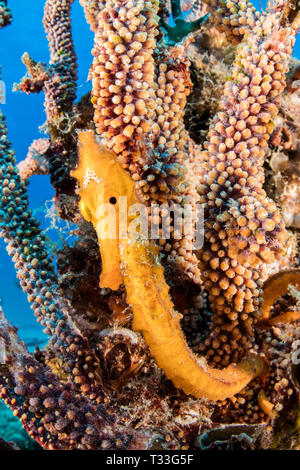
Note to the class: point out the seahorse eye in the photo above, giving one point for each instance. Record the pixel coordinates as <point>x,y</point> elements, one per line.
<point>113,200</point>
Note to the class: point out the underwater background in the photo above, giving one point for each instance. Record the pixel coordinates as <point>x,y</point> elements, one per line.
<point>24,117</point>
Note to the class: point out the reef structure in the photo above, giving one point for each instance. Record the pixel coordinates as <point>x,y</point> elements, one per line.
<point>105,379</point>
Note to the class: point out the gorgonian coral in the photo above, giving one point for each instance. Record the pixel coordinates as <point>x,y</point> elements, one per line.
<point>98,384</point>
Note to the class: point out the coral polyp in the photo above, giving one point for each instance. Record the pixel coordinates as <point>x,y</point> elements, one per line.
<point>173,313</point>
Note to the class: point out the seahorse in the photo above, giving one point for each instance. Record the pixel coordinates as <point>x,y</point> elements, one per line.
<point>135,262</point>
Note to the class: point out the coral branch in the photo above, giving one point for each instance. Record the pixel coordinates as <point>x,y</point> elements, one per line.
<point>98,384</point>
<point>243,227</point>
<point>50,412</point>
<point>155,317</point>
<point>58,80</point>
<point>63,61</point>
<point>233,17</point>
<point>35,163</point>
<point>28,248</point>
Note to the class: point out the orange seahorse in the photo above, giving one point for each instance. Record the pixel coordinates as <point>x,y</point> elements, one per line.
<point>135,262</point>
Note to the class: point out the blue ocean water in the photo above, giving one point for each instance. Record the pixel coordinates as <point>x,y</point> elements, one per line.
<point>24,116</point>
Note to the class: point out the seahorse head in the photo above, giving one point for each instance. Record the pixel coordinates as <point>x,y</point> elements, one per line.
<point>103,183</point>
